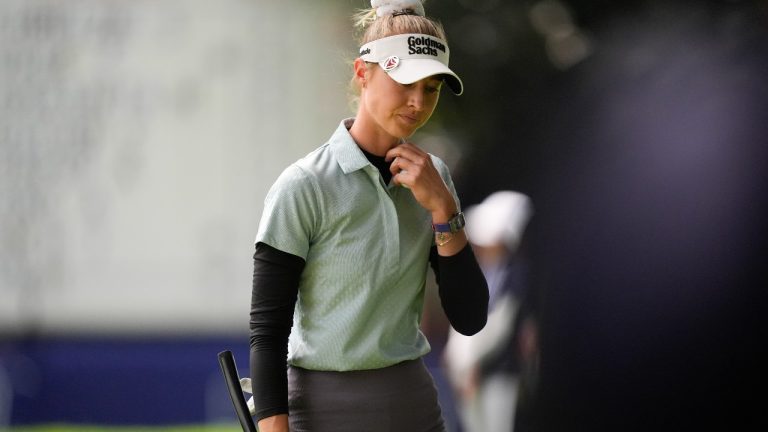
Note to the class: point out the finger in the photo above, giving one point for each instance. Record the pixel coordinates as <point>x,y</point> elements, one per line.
<point>404,179</point>
<point>394,167</point>
<point>402,165</point>
<point>415,156</point>
<point>405,150</point>
<point>408,151</point>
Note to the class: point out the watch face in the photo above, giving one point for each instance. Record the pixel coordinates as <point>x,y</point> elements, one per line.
<point>457,222</point>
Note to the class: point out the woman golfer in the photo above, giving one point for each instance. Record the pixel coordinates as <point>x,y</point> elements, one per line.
<point>344,245</point>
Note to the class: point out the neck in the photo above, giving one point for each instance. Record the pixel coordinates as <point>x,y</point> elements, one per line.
<point>370,137</point>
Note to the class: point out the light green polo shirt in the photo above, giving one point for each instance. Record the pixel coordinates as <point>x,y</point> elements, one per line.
<point>366,247</point>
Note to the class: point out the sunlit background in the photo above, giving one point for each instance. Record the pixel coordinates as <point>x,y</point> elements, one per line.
<point>138,139</point>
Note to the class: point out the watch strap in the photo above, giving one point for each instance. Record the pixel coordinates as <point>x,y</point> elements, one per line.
<point>454,224</point>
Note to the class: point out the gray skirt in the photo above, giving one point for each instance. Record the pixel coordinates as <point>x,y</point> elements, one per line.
<point>400,398</point>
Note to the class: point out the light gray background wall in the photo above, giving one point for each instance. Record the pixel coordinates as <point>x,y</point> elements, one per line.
<point>138,141</point>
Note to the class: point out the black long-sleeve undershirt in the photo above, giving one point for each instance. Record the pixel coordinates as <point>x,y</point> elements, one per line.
<point>273,298</point>
<point>462,289</point>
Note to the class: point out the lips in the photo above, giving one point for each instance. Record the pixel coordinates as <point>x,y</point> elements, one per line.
<point>409,118</point>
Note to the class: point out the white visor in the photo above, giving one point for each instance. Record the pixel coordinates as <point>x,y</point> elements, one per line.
<point>408,58</point>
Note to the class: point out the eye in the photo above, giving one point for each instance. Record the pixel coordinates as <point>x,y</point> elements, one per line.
<point>431,89</point>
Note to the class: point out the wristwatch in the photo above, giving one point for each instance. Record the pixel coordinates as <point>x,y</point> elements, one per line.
<point>454,224</point>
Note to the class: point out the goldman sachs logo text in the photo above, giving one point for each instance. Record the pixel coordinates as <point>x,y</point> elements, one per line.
<point>424,45</point>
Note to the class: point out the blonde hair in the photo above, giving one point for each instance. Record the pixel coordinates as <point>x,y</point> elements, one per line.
<point>370,27</point>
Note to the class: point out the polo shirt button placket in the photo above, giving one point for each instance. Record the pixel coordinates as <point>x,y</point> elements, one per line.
<point>391,235</point>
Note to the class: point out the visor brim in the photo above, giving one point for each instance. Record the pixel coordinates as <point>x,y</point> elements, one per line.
<point>411,70</point>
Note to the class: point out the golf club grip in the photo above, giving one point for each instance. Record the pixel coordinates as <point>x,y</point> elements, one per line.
<point>232,378</point>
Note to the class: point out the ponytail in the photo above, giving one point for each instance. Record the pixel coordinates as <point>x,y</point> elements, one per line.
<point>392,17</point>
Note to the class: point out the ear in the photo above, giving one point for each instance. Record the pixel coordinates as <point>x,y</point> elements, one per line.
<point>361,70</point>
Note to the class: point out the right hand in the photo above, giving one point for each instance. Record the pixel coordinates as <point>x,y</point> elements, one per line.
<point>276,423</point>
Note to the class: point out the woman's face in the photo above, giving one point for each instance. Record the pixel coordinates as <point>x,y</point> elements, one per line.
<point>398,109</point>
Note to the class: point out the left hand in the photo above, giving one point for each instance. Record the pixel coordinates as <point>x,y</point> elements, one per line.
<point>412,167</point>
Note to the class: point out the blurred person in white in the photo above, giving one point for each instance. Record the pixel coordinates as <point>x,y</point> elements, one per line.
<point>345,241</point>
<point>485,369</point>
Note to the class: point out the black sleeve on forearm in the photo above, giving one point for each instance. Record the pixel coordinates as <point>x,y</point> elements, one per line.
<point>462,288</point>
<point>275,289</point>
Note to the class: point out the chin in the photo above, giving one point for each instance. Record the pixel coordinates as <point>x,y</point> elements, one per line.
<point>402,132</point>
<point>399,129</point>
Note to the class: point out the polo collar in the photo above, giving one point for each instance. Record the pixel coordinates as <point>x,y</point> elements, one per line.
<point>345,149</point>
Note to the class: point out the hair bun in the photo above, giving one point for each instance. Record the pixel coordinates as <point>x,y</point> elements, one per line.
<point>391,7</point>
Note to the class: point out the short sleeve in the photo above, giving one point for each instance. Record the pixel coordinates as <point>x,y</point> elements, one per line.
<point>290,213</point>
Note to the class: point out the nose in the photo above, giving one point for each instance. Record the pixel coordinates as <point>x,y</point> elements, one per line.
<point>416,98</point>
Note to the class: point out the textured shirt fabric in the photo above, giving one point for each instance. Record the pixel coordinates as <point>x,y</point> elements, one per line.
<point>276,286</point>
<point>366,247</point>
